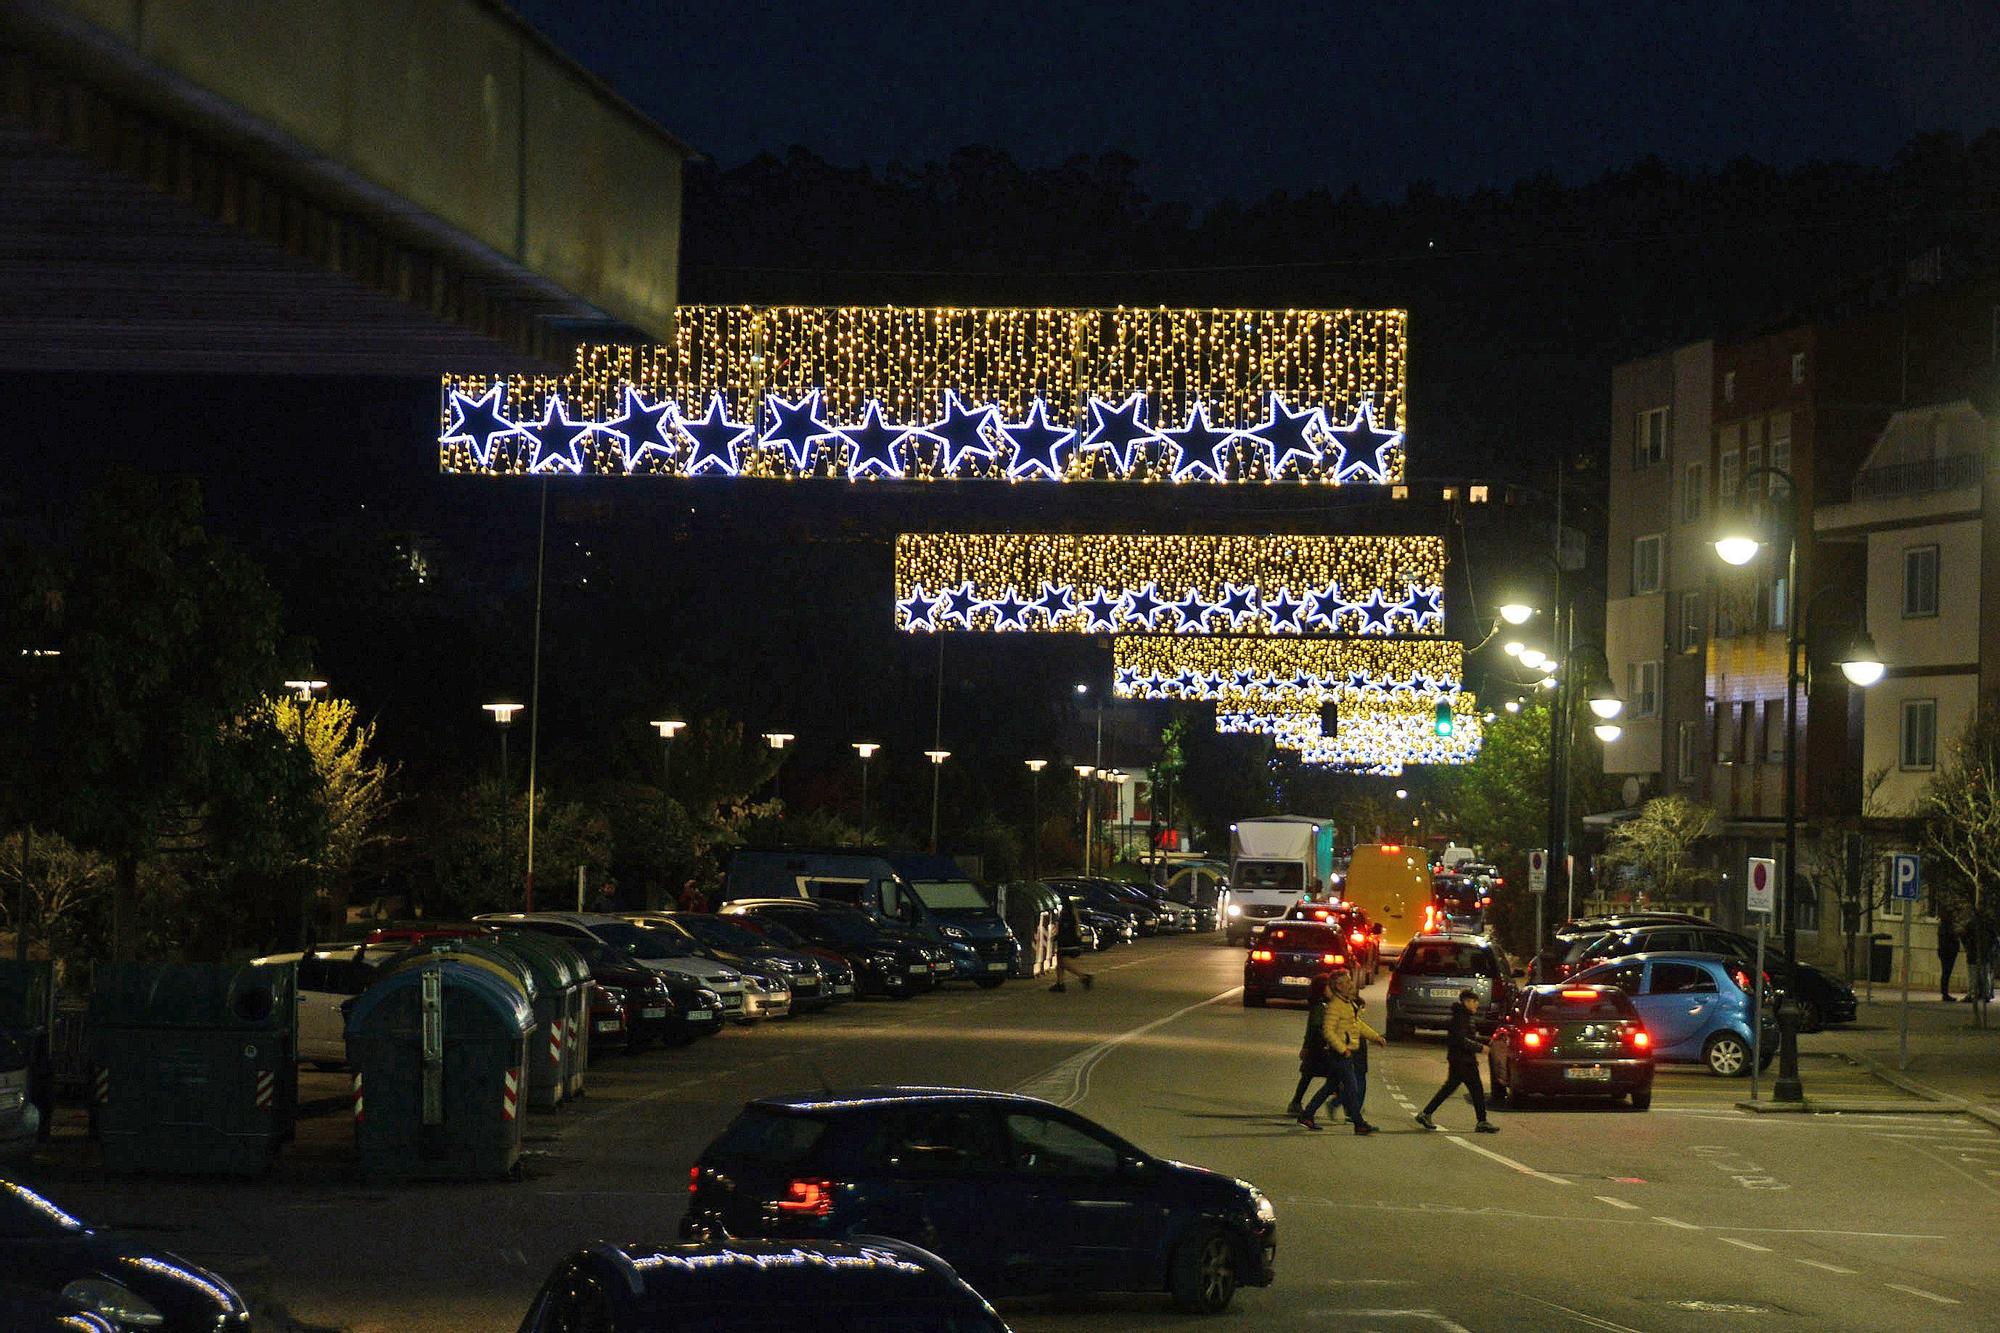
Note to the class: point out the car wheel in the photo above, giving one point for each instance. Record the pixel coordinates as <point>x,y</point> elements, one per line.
<point>1253,1000</point>
<point>1642,1099</point>
<point>1726,1055</point>
<point>1204,1272</point>
<point>1810,1018</point>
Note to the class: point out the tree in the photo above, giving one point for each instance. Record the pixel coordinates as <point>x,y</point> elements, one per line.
<point>1959,813</point>
<point>479,857</point>
<point>353,787</point>
<point>1658,843</point>
<point>68,889</point>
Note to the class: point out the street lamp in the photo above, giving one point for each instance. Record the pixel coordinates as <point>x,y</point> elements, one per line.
<point>1550,682</point>
<point>1608,731</point>
<point>1402,793</point>
<point>937,758</point>
<point>1513,647</point>
<point>1035,767</point>
<point>1604,700</point>
<point>1512,705</point>
<point>668,729</point>
<point>1516,613</point>
<point>866,749</point>
<point>1118,777</point>
<point>778,740</point>
<point>305,689</point>
<point>1083,772</point>
<point>503,720</point>
<point>1861,664</point>
<point>1532,657</point>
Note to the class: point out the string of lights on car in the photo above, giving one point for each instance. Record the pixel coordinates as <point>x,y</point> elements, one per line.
<point>887,393</point>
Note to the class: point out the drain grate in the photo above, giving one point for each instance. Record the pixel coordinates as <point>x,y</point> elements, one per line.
<point>1724,1307</point>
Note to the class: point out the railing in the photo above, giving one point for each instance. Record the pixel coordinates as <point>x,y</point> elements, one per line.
<point>1921,477</point>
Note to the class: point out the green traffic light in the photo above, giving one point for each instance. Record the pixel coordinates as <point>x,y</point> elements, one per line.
<point>1444,723</point>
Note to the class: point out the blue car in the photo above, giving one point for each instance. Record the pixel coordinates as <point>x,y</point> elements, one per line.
<point>1696,1006</point>
<point>1017,1195</point>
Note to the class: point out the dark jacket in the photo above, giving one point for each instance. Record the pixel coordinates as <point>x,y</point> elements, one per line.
<point>1316,1057</point>
<point>1462,1043</point>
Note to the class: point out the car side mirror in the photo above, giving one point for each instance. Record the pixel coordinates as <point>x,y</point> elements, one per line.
<point>1135,1168</point>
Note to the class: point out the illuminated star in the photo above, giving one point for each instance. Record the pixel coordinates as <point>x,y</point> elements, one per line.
<point>1359,441</point>
<point>1305,680</point>
<point>1374,613</point>
<point>1284,610</point>
<point>1323,607</point>
<point>961,434</point>
<point>873,444</point>
<point>1144,604</point>
<point>1238,603</point>
<point>1118,432</point>
<point>1188,683</point>
<point>1358,680</point>
<point>1128,678</point>
<point>1194,612</point>
<point>479,422</point>
<point>557,439</point>
<point>646,428</point>
<point>1054,602</point>
<point>1420,684</point>
<point>1103,610</point>
<point>1428,605</point>
<point>1286,435</point>
<point>919,611</point>
<point>1038,446</point>
<point>1010,612</point>
<point>1199,446</point>
<point>960,603</point>
<point>715,438</point>
<point>796,428</point>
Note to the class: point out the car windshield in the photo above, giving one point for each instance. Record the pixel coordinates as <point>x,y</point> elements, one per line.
<point>26,1215</point>
<point>846,927</point>
<point>1252,876</point>
<point>641,941</point>
<point>950,895</point>
<point>719,934</point>
<point>1569,1006</point>
<point>778,933</point>
<point>1439,958</point>
<point>770,1138</point>
<point>1303,939</point>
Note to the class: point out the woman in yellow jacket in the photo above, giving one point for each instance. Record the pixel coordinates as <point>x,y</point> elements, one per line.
<point>1344,1029</point>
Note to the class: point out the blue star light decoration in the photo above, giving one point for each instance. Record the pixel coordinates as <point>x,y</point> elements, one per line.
<point>716,440</point>
<point>961,434</point>
<point>797,429</point>
<point>1284,610</point>
<point>478,422</point>
<point>960,604</point>
<point>872,445</point>
<point>643,428</point>
<point>919,610</point>
<point>1038,446</point>
<point>1055,602</point>
<point>558,440</point>
<point>1199,447</point>
<point>1238,603</point>
<point>1364,448</point>
<point>1193,609</point>
<point>1287,437</point>
<point>1324,607</point>
<point>1009,611</point>
<point>1119,433</point>
<point>1144,604</point>
<point>1374,613</point>
<point>1102,611</point>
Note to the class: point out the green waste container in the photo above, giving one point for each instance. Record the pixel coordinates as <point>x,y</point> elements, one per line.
<point>564,1012</point>
<point>193,1066</point>
<point>491,956</point>
<point>439,1053</point>
<point>27,1014</point>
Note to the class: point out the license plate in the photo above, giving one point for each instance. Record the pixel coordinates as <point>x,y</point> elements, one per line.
<point>843,990</point>
<point>1295,981</point>
<point>941,967</point>
<point>652,1013</point>
<point>1593,1074</point>
<point>919,969</point>
<point>996,967</point>
<point>732,1001</point>
<point>611,1025</point>
<point>700,1015</point>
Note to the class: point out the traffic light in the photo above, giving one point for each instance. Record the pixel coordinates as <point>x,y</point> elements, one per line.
<point>1442,721</point>
<point>1329,718</point>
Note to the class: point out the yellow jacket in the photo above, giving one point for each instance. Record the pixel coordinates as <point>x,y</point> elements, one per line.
<point>1343,1027</point>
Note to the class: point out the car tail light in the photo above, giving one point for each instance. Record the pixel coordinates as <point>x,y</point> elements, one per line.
<point>1640,1038</point>
<point>1357,937</point>
<point>1261,955</point>
<point>807,1198</point>
<point>1334,959</point>
<point>694,1179</point>
<point>1395,983</point>
<point>1741,978</point>
<point>1531,1040</point>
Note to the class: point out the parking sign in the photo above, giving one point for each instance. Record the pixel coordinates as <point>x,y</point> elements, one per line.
<point>1763,884</point>
<point>1538,871</point>
<point>1906,876</point>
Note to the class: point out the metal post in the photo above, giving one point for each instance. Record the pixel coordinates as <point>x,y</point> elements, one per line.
<point>1903,1037</point>
<point>864,798</point>
<point>1757,1011</point>
<point>667,766</point>
<point>1787,1087</point>
<point>535,697</point>
<point>937,778</point>
<point>579,888</point>
<point>432,1017</point>
<point>21,901</point>
<point>1035,823</point>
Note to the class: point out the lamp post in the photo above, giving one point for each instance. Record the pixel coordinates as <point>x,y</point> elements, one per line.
<point>1118,777</point>
<point>305,690</point>
<point>1035,767</point>
<point>503,722</point>
<point>937,758</point>
<point>778,740</point>
<point>1083,772</point>
<point>866,749</point>
<point>668,729</point>
<point>1738,543</point>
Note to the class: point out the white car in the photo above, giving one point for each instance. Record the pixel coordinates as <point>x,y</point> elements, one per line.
<point>328,978</point>
<point>647,948</point>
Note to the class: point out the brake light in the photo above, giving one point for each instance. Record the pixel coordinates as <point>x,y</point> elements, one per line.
<point>1640,1038</point>
<point>1357,937</point>
<point>1333,959</point>
<point>1531,1040</point>
<point>1261,955</point>
<point>694,1179</point>
<point>1741,978</point>
<point>1579,995</point>
<point>1395,983</point>
<point>807,1198</point>
<point>1392,847</point>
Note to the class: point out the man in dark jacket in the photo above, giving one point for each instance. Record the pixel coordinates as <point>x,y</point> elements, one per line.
<point>1462,1051</point>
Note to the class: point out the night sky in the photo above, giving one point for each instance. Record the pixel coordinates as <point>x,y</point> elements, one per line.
<point>1240,99</point>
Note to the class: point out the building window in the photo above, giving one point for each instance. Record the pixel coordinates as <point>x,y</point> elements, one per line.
<point>1781,603</point>
<point>1694,482</point>
<point>1920,581</point>
<point>1687,751</point>
<point>1692,622</point>
<point>1725,733</point>
<point>1650,443</point>
<point>1646,564</point>
<point>1804,905</point>
<point>1918,752</point>
<point>1725,476</point>
<point>1774,731</point>
<point>1798,367</point>
<point>1728,386</point>
<point>1781,459</point>
<point>1642,689</point>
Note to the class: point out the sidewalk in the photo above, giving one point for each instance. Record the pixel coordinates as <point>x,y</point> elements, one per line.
<point>1950,1061</point>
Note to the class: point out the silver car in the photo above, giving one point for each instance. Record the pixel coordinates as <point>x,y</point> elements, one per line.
<point>1436,969</point>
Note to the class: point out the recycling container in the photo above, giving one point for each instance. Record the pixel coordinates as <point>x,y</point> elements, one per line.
<point>193,1070</point>
<point>27,1015</point>
<point>559,971</point>
<point>549,1059</point>
<point>439,1054</point>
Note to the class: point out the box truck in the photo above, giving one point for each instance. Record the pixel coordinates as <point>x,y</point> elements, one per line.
<point>1273,863</point>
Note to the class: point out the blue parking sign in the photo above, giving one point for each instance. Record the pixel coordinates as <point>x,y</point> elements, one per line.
<point>1906,876</point>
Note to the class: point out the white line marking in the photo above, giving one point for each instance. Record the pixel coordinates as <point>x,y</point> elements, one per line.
<point>1614,1201</point>
<point>1428,1316</point>
<point>1919,1291</point>
<point>1676,1222</point>
<point>1067,1083</point>
<point>1507,1162</point>
<point>1744,1244</point>
<point>1830,1268</point>
<point>1589,1319</point>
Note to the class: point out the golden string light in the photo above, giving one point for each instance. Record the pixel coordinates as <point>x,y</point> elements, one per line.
<point>1177,667</point>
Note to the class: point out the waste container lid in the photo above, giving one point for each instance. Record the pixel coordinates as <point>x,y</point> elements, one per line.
<point>556,964</point>
<point>466,978</point>
<point>477,953</point>
<point>255,996</point>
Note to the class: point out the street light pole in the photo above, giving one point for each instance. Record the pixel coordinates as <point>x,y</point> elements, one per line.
<point>866,749</point>
<point>937,758</point>
<point>778,740</point>
<point>1083,772</point>
<point>305,690</point>
<point>668,729</point>
<point>1035,767</point>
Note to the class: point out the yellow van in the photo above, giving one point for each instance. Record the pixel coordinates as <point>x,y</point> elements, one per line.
<point>1391,882</point>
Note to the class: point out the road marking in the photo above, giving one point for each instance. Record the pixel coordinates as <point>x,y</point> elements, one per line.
<point>1919,1291</point>
<point>1676,1222</point>
<point>1507,1162</point>
<point>1830,1268</point>
<point>1590,1319</point>
<point>1067,1083</point>
<point>1615,1201</point>
<point>1744,1244</point>
<point>1428,1316</point>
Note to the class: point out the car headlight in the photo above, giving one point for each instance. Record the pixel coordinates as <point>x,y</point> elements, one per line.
<point>116,1302</point>
<point>1262,1203</point>
<point>615,994</point>
<point>1234,910</point>
<point>952,932</point>
<point>708,998</point>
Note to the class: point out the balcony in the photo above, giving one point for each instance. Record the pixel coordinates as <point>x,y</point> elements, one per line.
<point>1921,476</point>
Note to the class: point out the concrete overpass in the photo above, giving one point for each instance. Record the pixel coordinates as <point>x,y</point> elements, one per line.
<point>319,186</point>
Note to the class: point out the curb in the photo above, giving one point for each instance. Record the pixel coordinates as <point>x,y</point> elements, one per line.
<point>1932,1097</point>
<point>1852,1108</point>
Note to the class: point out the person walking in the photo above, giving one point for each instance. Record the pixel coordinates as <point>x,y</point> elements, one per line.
<point>1947,952</point>
<point>1069,947</point>
<point>691,899</point>
<point>606,900</point>
<point>1462,1051</point>
<point>1347,987</point>
<point>1314,1054</point>
<point>1345,1030</point>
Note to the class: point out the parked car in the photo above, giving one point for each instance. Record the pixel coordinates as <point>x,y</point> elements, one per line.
<point>328,980</point>
<point>648,948</point>
<point>747,951</point>
<point>767,984</point>
<point>1364,942</point>
<point>754,1286</point>
<point>1203,886</point>
<point>1436,969</point>
<point>1174,918</point>
<point>1017,1194</point>
<point>833,966</point>
<point>886,962</point>
<point>1285,956</point>
<point>1571,1040</point>
<point>1122,911</point>
<point>1567,941</point>
<point>1696,1007</point>
<point>1821,998</point>
<point>46,1250</point>
<point>659,1007</point>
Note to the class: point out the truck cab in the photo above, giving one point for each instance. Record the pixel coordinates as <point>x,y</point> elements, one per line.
<point>1392,883</point>
<point>1274,863</point>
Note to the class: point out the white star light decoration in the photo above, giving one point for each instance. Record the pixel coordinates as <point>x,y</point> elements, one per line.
<point>796,435</point>
<point>1093,609</point>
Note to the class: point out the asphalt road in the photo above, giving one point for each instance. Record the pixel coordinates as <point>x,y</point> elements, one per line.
<point>1694,1215</point>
